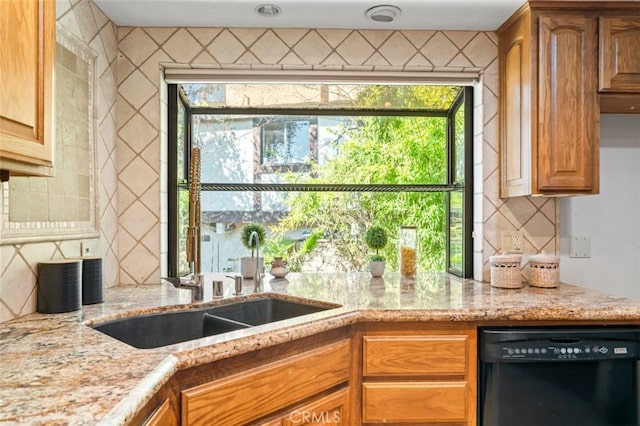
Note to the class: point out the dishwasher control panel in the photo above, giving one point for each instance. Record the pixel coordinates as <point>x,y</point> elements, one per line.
<point>554,344</point>
<point>578,351</point>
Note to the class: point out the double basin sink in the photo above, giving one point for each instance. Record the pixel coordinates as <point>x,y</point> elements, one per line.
<point>167,328</point>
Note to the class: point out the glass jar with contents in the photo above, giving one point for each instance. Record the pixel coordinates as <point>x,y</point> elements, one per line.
<point>408,240</point>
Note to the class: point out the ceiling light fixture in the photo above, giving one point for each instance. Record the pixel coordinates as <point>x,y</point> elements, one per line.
<point>268,10</point>
<point>383,13</point>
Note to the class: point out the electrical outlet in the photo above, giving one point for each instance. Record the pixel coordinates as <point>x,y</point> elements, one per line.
<point>512,242</point>
<point>89,248</point>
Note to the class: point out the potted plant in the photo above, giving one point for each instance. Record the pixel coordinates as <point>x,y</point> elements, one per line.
<point>248,264</point>
<point>376,238</point>
<point>279,251</point>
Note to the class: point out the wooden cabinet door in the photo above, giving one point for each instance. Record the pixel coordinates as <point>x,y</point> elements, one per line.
<point>27,37</point>
<point>247,396</point>
<point>620,54</point>
<point>568,112</point>
<point>515,108</point>
<point>163,416</point>
<point>332,409</point>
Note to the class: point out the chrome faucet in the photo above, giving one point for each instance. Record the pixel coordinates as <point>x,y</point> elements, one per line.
<point>257,275</point>
<point>195,281</point>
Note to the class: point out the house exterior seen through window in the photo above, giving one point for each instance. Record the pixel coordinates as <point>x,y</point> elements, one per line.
<point>317,164</point>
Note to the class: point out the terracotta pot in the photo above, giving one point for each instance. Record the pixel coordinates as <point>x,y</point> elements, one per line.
<point>279,268</point>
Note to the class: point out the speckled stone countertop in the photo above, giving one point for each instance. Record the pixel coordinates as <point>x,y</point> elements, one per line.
<point>54,369</point>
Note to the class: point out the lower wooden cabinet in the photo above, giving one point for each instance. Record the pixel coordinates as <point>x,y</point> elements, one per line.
<point>249,395</point>
<point>415,402</point>
<point>420,376</point>
<point>162,416</point>
<point>332,409</point>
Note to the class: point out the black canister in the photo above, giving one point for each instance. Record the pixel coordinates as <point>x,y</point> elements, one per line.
<point>92,281</point>
<point>59,286</point>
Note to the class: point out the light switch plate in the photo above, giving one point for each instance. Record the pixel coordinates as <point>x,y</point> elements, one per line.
<point>512,242</point>
<point>580,246</point>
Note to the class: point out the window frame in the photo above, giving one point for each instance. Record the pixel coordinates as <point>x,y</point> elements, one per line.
<point>464,98</point>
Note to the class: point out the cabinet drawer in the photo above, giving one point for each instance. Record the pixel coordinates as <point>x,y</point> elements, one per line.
<point>243,397</point>
<point>414,402</point>
<point>415,355</point>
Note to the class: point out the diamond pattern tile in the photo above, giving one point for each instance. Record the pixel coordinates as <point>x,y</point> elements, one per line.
<point>182,47</point>
<point>138,176</point>
<point>291,35</point>
<point>418,38</point>
<point>137,46</point>
<point>312,49</point>
<point>137,220</point>
<point>439,50</point>
<point>357,49</point>
<point>225,48</point>
<point>540,231</point>
<point>269,49</point>
<point>397,49</point>
<point>518,211</point>
<point>85,20</point>
<point>137,89</point>
<point>204,35</point>
<point>137,265</point>
<point>481,51</point>
<point>137,133</point>
<point>159,34</point>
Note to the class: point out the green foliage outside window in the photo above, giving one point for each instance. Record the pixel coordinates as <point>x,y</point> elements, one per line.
<point>383,150</point>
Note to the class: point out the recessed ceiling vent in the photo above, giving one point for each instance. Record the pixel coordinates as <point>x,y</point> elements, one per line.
<point>383,13</point>
<point>268,10</point>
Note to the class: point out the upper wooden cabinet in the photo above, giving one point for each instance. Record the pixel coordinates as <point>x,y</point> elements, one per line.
<point>27,37</point>
<point>619,81</point>
<point>549,129</point>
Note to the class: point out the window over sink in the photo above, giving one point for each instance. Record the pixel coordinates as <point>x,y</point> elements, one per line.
<point>317,163</point>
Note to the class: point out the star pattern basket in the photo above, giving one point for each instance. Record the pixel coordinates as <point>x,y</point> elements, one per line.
<point>545,270</point>
<point>505,271</point>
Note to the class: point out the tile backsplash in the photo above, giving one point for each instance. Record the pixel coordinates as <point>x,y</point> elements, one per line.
<point>131,127</point>
<point>43,208</point>
<point>144,52</point>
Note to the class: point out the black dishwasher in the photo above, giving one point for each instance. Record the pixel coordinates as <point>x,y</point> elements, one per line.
<point>551,376</point>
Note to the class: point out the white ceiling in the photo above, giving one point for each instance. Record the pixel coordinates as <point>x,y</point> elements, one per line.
<point>415,15</point>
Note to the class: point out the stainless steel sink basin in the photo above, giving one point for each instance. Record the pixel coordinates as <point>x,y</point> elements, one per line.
<point>167,328</point>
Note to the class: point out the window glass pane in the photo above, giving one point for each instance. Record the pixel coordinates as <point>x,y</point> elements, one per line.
<point>337,220</point>
<point>458,141</point>
<point>183,226</point>
<point>322,150</point>
<point>456,232</point>
<point>321,95</point>
<point>181,141</point>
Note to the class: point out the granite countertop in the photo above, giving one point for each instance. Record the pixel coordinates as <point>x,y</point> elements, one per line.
<point>54,369</point>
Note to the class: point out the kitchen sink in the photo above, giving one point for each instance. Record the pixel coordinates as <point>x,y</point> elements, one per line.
<point>167,328</point>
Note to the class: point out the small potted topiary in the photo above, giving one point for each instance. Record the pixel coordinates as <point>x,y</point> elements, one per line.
<point>248,264</point>
<point>376,238</point>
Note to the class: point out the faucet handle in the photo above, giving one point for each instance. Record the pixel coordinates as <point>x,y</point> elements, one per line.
<point>173,280</point>
<point>237,280</point>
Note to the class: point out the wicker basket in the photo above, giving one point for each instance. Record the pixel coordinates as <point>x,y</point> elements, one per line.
<point>545,270</point>
<point>505,271</point>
